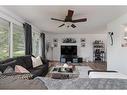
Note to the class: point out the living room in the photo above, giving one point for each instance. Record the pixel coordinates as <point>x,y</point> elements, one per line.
<point>51,46</point>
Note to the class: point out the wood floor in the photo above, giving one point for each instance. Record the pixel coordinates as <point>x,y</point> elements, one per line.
<point>98,66</point>
<point>93,65</point>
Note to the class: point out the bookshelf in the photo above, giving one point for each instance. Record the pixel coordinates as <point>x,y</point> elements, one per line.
<point>98,51</point>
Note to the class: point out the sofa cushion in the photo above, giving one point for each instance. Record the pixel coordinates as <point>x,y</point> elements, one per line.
<point>20,69</point>
<point>7,60</point>
<point>0,72</point>
<point>25,61</point>
<point>5,65</point>
<point>9,69</point>
<point>36,61</point>
<point>39,70</point>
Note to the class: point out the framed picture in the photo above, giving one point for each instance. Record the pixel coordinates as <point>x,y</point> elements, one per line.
<point>69,40</point>
<point>55,44</point>
<point>124,41</point>
<point>82,39</point>
<point>55,40</point>
<point>82,44</point>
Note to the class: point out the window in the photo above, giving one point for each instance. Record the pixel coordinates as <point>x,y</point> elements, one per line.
<point>4,39</point>
<point>18,40</point>
<point>35,43</point>
<point>12,40</point>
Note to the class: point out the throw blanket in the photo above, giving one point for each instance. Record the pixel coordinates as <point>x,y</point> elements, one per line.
<point>10,82</point>
<point>84,83</point>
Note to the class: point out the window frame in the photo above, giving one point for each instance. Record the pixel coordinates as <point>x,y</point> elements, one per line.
<point>8,42</point>
<point>10,34</point>
<point>13,38</point>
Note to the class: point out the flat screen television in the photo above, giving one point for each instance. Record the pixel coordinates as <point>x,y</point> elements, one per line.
<point>69,50</point>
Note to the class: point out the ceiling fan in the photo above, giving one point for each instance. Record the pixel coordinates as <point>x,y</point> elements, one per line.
<point>68,18</point>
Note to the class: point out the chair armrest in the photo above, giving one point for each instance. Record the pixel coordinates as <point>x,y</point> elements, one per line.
<point>100,71</point>
<point>45,61</point>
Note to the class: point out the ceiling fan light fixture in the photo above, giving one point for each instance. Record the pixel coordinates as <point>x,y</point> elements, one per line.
<point>68,22</point>
<point>61,25</point>
<point>73,26</point>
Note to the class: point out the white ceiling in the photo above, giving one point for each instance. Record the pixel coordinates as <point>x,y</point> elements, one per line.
<point>98,17</point>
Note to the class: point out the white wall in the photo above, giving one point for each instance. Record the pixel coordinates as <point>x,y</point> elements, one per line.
<point>117,55</point>
<point>85,52</point>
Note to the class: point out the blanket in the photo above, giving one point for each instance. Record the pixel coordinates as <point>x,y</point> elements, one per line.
<point>14,83</point>
<point>84,83</point>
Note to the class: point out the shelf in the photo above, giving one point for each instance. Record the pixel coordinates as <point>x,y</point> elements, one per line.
<point>98,51</point>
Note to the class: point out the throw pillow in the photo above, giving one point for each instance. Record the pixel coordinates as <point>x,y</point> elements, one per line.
<point>0,72</point>
<point>36,61</point>
<point>4,65</point>
<point>20,69</point>
<point>9,69</point>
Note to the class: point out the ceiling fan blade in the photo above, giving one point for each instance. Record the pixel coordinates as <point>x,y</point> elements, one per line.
<point>73,26</point>
<point>61,25</point>
<point>70,13</point>
<point>79,20</point>
<point>57,19</point>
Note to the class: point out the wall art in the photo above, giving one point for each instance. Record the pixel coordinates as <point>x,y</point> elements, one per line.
<point>82,40</point>
<point>69,40</point>
<point>55,40</point>
<point>82,44</point>
<point>55,44</point>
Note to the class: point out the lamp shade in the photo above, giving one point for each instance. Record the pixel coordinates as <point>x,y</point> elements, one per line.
<point>52,45</point>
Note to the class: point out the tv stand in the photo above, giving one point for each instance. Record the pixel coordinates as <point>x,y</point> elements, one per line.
<point>70,59</point>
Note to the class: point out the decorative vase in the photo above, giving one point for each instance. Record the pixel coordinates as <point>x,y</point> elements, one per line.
<point>65,65</point>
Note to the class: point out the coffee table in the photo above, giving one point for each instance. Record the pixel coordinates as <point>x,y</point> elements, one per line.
<point>60,72</point>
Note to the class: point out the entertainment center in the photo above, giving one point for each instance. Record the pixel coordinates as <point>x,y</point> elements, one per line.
<point>69,54</point>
